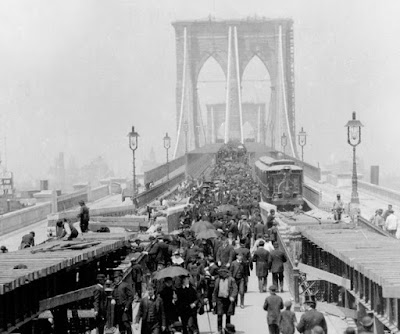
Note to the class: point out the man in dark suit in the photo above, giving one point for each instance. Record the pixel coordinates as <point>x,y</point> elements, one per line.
<point>311,317</point>
<point>261,258</point>
<point>239,272</point>
<point>225,254</point>
<point>273,305</point>
<point>151,311</point>
<point>276,260</point>
<point>123,296</point>
<point>100,303</point>
<point>259,228</point>
<point>137,276</point>
<point>187,305</point>
<point>246,260</point>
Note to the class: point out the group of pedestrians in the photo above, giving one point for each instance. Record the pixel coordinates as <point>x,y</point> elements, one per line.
<point>387,221</point>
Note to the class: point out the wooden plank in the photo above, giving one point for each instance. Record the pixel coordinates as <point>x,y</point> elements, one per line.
<point>66,298</point>
<point>315,274</point>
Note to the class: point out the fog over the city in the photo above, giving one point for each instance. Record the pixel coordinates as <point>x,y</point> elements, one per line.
<point>75,75</point>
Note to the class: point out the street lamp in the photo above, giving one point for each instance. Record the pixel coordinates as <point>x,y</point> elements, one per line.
<point>354,138</point>
<point>302,137</point>
<point>186,129</point>
<point>133,144</point>
<point>284,143</point>
<point>167,145</point>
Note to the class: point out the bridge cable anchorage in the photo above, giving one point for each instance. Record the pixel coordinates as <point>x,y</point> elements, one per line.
<point>183,90</point>
<point>282,73</point>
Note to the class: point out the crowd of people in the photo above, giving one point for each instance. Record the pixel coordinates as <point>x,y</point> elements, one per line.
<point>221,238</point>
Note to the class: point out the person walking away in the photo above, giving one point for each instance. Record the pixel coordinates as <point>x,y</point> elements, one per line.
<point>224,296</point>
<point>338,208</point>
<point>137,277</point>
<point>28,240</point>
<point>187,304</point>
<point>123,296</point>
<point>100,303</point>
<point>67,230</point>
<point>239,273</point>
<point>288,320</point>
<point>391,223</point>
<point>3,249</point>
<point>261,258</point>
<point>84,217</point>
<point>276,260</point>
<point>311,317</point>
<point>151,312</point>
<point>273,305</point>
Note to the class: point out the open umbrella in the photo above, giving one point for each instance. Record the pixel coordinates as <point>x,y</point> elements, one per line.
<point>172,271</point>
<point>207,234</point>
<point>227,207</point>
<point>202,226</point>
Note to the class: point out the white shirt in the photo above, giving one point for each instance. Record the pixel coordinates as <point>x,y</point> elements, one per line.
<point>267,246</point>
<point>391,222</point>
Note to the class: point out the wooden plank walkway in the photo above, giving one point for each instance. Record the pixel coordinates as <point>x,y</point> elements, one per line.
<point>373,255</point>
<point>50,257</point>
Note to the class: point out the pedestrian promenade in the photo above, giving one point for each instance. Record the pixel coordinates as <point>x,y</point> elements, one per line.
<point>252,319</point>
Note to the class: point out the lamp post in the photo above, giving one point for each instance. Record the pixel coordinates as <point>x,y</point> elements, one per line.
<point>186,129</point>
<point>167,145</point>
<point>302,138</point>
<point>133,144</point>
<point>354,139</point>
<point>284,143</point>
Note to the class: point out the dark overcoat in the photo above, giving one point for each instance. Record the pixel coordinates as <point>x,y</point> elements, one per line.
<point>261,258</point>
<point>276,260</point>
<point>309,320</point>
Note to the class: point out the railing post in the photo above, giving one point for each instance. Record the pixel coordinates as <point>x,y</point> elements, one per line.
<point>296,280</point>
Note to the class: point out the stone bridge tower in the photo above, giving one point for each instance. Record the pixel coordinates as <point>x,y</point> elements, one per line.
<point>233,44</point>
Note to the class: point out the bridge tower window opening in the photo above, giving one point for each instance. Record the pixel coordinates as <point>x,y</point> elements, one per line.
<point>211,86</point>
<point>256,98</point>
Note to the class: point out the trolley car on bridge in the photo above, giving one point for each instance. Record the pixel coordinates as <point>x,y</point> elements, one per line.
<point>281,182</point>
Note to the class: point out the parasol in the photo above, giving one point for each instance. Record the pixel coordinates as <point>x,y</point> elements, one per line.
<point>207,234</point>
<point>172,271</point>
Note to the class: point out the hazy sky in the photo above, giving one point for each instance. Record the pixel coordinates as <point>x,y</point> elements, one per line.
<point>76,74</point>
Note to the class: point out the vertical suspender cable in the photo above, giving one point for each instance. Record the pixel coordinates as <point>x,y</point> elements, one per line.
<point>183,90</point>
<point>259,125</point>
<point>239,86</point>
<point>228,78</point>
<point>282,73</point>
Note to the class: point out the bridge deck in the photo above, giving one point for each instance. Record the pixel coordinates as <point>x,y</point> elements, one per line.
<point>51,257</point>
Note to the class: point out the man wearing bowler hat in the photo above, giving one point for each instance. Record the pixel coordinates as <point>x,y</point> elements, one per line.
<point>100,303</point>
<point>273,305</point>
<point>311,317</point>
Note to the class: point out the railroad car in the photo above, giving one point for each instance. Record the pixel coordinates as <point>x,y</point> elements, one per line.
<point>281,182</point>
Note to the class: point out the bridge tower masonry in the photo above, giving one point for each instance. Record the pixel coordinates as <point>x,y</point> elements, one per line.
<point>233,43</point>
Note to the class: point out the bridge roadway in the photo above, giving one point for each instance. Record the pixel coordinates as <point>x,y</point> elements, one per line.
<point>12,240</point>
